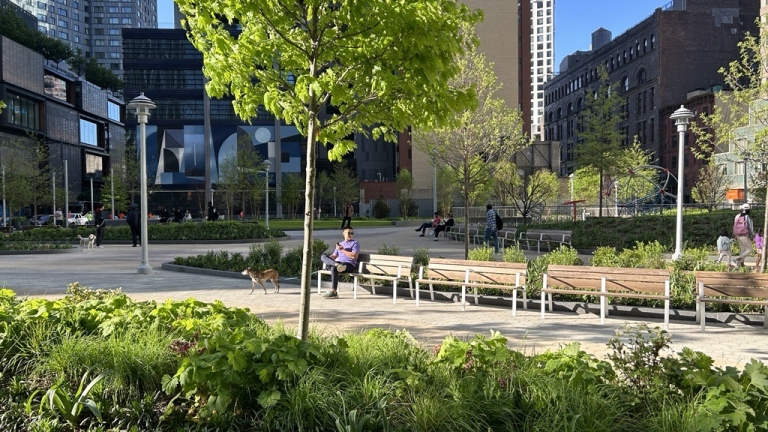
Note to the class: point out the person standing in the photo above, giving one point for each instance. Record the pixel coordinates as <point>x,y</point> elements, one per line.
<point>742,231</point>
<point>134,223</point>
<point>490,228</point>
<point>724,247</point>
<point>342,260</point>
<point>213,214</point>
<point>177,215</point>
<point>100,223</point>
<point>187,216</point>
<point>349,211</point>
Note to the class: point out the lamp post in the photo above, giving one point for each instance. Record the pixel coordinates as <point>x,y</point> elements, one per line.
<point>91,178</point>
<point>53,185</point>
<point>112,190</point>
<point>266,192</point>
<point>5,219</point>
<point>681,117</point>
<point>434,180</point>
<point>66,194</point>
<point>142,105</point>
<point>334,201</point>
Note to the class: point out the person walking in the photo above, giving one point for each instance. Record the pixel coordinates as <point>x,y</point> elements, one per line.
<point>742,231</point>
<point>213,214</point>
<point>346,215</point>
<point>342,260</point>
<point>134,223</point>
<point>100,223</point>
<point>490,228</point>
<point>724,247</point>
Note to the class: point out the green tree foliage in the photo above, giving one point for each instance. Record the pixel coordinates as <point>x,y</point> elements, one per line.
<point>601,135</point>
<point>13,27</point>
<point>347,186</point>
<point>324,195</point>
<point>404,186</point>
<point>383,65</point>
<point>488,132</point>
<point>293,187</point>
<point>381,208</point>
<point>710,186</point>
<point>740,118</point>
<point>239,180</point>
<point>528,193</point>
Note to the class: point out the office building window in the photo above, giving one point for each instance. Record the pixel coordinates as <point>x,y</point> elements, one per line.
<point>112,9</point>
<point>22,111</point>
<point>62,12</point>
<point>64,35</point>
<point>114,20</point>
<point>76,27</point>
<point>63,24</point>
<point>94,165</point>
<point>114,32</point>
<point>76,38</point>
<point>98,9</point>
<point>98,42</point>
<point>113,111</point>
<point>126,21</point>
<point>41,5</point>
<point>114,55</point>
<point>126,9</point>
<point>88,132</point>
<point>113,42</point>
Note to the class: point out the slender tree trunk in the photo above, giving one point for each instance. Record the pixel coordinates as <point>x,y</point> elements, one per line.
<point>761,265</point>
<point>600,191</point>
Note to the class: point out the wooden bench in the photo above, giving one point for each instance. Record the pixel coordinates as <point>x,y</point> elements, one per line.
<point>605,282</point>
<point>732,288</point>
<point>474,274</point>
<point>549,237</point>
<point>385,267</point>
<point>361,258</point>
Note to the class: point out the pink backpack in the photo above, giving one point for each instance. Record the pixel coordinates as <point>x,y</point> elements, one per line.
<point>740,227</point>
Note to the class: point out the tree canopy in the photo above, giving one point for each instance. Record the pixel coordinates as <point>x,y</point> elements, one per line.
<point>380,64</point>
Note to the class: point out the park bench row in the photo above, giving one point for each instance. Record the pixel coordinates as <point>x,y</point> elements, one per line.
<point>552,239</point>
<point>600,282</point>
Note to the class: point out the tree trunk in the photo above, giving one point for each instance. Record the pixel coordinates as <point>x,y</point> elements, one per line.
<point>600,191</point>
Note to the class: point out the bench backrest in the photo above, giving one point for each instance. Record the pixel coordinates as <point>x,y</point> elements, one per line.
<point>549,234</point>
<point>491,272</point>
<point>388,265</point>
<point>733,284</point>
<point>617,279</point>
<point>509,233</point>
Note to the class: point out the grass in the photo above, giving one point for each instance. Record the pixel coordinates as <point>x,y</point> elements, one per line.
<point>298,224</point>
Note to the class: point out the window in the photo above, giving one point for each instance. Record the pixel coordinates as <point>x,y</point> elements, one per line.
<point>645,45</point>
<point>631,53</point>
<point>76,16</point>
<point>98,31</point>
<point>62,12</point>
<point>41,5</point>
<point>98,9</point>
<point>76,39</point>
<point>114,66</point>
<point>653,40</point>
<point>126,9</point>
<point>114,55</point>
<point>96,20</point>
<point>93,164</point>
<point>98,42</point>
<point>99,55</point>
<point>64,35</point>
<point>114,32</point>
<point>651,98</point>
<point>126,21</point>
<point>88,133</point>
<point>114,20</point>
<point>22,111</point>
<point>641,76</point>
<point>112,9</point>
<point>63,24</point>
<point>625,83</point>
<point>113,111</point>
<point>41,17</point>
<point>114,42</point>
<point>76,5</point>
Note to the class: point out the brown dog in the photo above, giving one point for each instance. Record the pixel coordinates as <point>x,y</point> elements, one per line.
<point>262,276</point>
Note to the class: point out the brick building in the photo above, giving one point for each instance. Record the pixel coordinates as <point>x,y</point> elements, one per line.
<point>676,50</point>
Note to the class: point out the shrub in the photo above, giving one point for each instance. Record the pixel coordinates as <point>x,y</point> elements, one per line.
<point>514,255</point>
<point>381,209</point>
<point>386,249</point>
<point>482,253</point>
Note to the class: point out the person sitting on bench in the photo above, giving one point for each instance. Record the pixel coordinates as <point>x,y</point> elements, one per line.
<point>444,226</point>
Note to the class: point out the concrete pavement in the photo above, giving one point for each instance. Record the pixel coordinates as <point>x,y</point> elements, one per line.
<point>115,265</point>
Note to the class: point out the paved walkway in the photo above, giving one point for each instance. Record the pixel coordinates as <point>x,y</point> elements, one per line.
<point>115,266</point>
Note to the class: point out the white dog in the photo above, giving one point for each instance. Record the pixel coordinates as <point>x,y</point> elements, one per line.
<point>87,242</point>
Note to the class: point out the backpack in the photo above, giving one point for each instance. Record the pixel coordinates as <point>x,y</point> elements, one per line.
<point>740,227</point>
<point>499,222</point>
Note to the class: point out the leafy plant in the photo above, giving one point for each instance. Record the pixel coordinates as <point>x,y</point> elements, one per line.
<point>482,253</point>
<point>636,353</point>
<point>70,406</point>
<point>386,249</point>
<point>381,209</point>
<point>514,255</point>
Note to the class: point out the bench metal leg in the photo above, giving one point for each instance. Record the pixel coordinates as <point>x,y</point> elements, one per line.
<point>551,303</point>
<point>394,291</point>
<point>431,292</point>
<point>477,300</point>
<point>543,303</point>
<point>463,297</point>
<point>525,298</point>
<point>514,302</point>
<point>765,317</point>
<point>354,287</point>
<point>319,282</point>
<point>417,294</point>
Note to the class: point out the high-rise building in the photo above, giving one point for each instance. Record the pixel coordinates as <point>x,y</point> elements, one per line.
<point>542,58</point>
<point>92,26</point>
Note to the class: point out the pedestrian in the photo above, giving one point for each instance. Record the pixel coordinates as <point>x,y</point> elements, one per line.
<point>742,231</point>
<point>134,224</point>
<point>187,216</point>
<point>213,214</point>
<point>759,249</point>
<point>724,246</point>
<point>346,215</point>
<point>490,228</point>
<point>164,216</point>
<point>100,223</point>
<point>177,215</point>
<point>430,224</point>
<point>342,260</point>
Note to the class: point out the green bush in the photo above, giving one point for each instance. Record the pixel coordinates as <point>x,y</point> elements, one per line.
<point>381,209</point>
<point>482,253</point>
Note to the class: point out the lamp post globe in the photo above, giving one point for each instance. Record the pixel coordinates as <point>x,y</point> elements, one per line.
<point>682,117</point>
<point>141,106</point>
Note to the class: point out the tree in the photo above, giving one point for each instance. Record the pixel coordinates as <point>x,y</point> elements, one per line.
<point>476,136</point>
<point>19,167</point>
<point>711,185</point>
<point>740,118</point>
<point>526,192</point>
<point>290,197</point>
<point>601,135</point>
<point>324,192</point>
<point>347,186</point>
<point>2,106</point>
<point>13,27</point>
<point>404,186</point>
<point>239,178</point>
<point>383,65</point>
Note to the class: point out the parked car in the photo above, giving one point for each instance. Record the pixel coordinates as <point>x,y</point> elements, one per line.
<point>77,219</point>
<point>41,220</point>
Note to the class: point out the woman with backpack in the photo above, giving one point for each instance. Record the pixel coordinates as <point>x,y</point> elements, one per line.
<point>742,231</point>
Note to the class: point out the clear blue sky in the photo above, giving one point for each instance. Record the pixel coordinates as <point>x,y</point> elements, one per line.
<point>575,20</point>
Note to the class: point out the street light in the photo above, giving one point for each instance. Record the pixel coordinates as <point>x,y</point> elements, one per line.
<point>266,192</point>
<point>682,116</point>
<point>334,201</point>
<point>142,105</point>
<point>434,181</point>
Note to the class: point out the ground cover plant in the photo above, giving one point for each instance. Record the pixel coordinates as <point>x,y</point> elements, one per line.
<point>213,368</point>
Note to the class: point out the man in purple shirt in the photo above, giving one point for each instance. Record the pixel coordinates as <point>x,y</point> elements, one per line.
<point>342,260</point>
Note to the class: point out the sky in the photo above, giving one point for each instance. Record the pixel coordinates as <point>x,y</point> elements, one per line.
<point>575,20</point>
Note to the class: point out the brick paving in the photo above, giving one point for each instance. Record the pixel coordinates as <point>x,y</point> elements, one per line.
<point>46,275</point>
